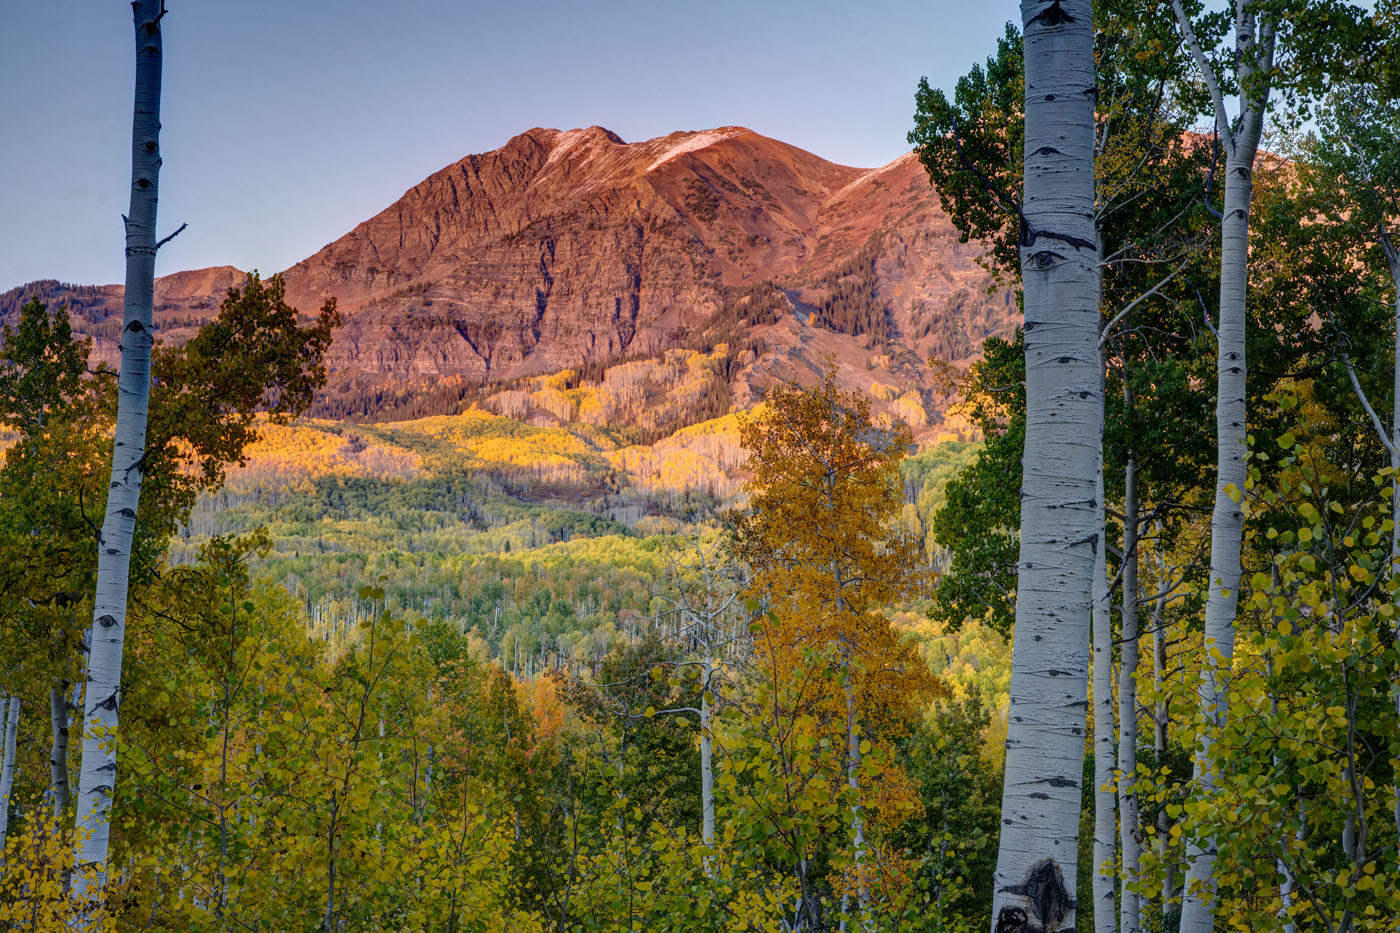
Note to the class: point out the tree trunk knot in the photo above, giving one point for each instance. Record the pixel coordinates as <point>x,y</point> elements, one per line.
<point>1053,15</point>
<point>1048,901</point>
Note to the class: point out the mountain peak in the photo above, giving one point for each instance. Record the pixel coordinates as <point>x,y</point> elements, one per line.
<point>677,144</point>
<point>565,248</point>
<point>552,139</point>
<point>649,154</point>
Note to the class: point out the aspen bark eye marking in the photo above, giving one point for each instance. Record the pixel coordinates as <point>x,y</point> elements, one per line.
<point>1011,919</point>
<point>1046,259</point>
<point>1048,901</point>
<point>1053,15</point>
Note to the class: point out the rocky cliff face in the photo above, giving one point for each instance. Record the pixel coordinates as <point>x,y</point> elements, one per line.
<point>574,247</point>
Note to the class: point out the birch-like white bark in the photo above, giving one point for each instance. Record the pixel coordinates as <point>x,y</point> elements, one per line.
<point>853,782</point>
<point>1392,256</point>
<point>1390,442</point>
<point>1105,815</point>
<point>1254,40</point>
<point>1129,919</point>
<point>1287,887</point>
<point>1035,875</point>
<point>707,772</point>
<point>706,622</point>
<point>58,752</point>
<point>98,775</point>
<point>1160,724</point>
<point>7,771</point>
<point>1227,524</point>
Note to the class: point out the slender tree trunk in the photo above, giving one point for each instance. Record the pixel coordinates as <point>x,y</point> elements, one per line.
<point>1254,51</point>
<point>427,773</point>
<point>853,782</point>
<point>1035,875</point>
<point>1227,524</point>
<point>332,845</point>
<point>1129,916</point>
<point>7,771</point>
<point>74,711</point>
<point>1104,810</point>
<point>1160,724</point>
<point>707,774</point>
<point>58,752</point>
<point>1392,255</point>
<point>98,775</point>
<point>1287,886</point>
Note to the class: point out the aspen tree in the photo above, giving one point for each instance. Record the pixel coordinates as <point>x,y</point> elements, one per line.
<point>1355,163</point>
<point>708,624</point>
<point>1143,227</point>
<point>1253,54</point>
<point>1060,538</point>
<point>820,540</point>
<point>10,719</point>
<point>98,775</point>
<point>1130,842</point>
<point>58,752</point>
<point>1104,812</point>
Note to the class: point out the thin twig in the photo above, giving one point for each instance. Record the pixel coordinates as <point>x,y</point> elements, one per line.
<point>1366,404</point>
<point>176,233</point>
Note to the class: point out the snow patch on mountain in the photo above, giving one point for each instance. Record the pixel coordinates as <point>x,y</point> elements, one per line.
<point>869,176</point>
<point>696,141</point>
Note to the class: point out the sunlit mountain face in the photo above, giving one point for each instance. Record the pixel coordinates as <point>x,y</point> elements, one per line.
<point>576,251</point>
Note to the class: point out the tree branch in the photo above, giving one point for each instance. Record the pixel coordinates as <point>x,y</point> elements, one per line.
<point>1188,35</point>
<point>176,233</point>
<point>1010,204</point>
<point>1103,337</point>
<point>1370,412</point>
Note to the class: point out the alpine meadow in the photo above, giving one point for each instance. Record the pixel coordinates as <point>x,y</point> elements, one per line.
<point>693,534</point>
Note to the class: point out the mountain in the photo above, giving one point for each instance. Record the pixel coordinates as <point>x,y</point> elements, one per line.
<point>576,250</point>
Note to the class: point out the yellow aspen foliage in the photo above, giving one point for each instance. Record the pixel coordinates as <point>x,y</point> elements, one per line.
<point>828,556</point>
<point>822,537</point>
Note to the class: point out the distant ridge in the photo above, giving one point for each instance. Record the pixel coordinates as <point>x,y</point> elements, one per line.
<point>569,248</point>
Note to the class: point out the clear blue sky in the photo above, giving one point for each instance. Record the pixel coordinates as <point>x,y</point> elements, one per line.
<point>286,122</point>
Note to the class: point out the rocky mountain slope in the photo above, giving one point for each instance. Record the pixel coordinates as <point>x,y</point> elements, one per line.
<point>576,250</point>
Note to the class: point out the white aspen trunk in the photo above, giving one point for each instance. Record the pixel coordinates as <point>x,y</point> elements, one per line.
<point>1286,888</point>
<point>853,782</point>
<point>332,844</point>
<point>1160,724</point>
<point>1227,524</point>
<point>58,752</point>
<point>1392,444</point>
<point>1392,255</point>
<point>1129,912</point>
<point>1254,53</point>
<point>427,772</point>
<point>707,774</point>
<point>98,774</point>
<point>1287,885</point>
<point>1105,820</point>
<point>7,771</point>
<point>379,824</point>
<point>1036,862</point>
